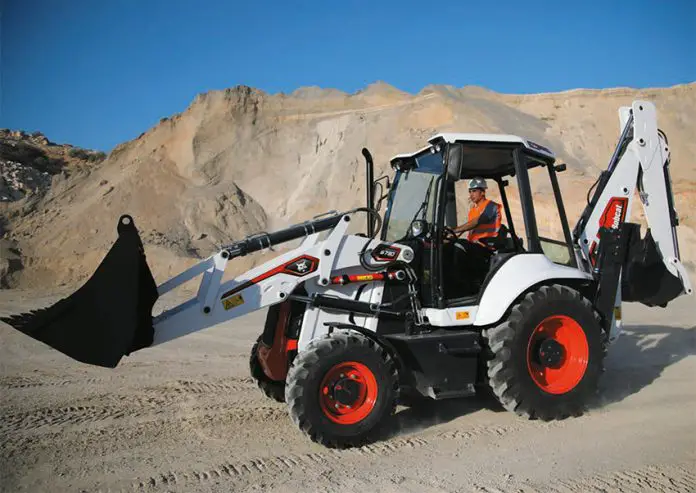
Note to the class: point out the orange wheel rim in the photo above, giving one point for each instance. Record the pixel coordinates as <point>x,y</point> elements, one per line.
<point>348,393</point>
<point>562,337</point>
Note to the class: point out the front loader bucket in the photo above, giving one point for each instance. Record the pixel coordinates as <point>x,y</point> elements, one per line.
<point>109,316</point>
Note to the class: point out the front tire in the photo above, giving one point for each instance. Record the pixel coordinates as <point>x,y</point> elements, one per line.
<point>342,389</point>
<point>545,361</point>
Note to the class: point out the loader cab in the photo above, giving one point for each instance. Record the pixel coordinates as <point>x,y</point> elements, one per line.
<point>429,197</point>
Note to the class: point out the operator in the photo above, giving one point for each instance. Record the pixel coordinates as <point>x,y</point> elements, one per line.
<point>484,215</point>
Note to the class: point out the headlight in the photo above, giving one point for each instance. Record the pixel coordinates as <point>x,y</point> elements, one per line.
<point>417,228</point>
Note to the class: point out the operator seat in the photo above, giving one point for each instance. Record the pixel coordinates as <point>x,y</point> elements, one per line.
<point>503,242</point>
<point>506,245</point>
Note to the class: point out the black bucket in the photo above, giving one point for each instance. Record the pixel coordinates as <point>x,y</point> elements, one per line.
<point>645,277</point>
<point>109,316</point>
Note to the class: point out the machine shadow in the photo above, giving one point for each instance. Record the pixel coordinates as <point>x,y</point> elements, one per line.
<point>639,357</point>
<point>636,360</point>
<point>425,412</point>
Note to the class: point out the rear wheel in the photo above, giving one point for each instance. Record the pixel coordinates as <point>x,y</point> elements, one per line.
<point>546,359</point>
<point>342,389</point>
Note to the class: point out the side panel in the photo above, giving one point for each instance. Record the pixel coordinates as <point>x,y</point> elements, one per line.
<point>613,217</point>
<point>313,323</point>
<point>370,293</point>
<point>451,317</point>
<point>513,278</point>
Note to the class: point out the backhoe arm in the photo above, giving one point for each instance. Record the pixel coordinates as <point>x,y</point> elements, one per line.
<point>650,268</point>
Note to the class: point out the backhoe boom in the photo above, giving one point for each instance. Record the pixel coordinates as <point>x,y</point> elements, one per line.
<point>652,271</point>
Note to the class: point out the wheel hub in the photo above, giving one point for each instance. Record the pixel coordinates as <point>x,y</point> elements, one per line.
<point>551,353</point>
<point>557,354</point>
<point>346,391</point>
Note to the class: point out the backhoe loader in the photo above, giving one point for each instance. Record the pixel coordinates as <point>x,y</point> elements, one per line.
<point>357,323</point>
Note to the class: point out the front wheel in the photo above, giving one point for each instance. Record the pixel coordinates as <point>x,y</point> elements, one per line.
<point>546,359</point>
<point>342,389</point>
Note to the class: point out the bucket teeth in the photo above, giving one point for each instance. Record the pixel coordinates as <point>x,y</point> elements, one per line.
<point>20,321</point>
<point>25,321</point>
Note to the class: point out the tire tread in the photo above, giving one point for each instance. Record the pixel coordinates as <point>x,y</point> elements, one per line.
<point>501,341</point>
<point>299,373</point>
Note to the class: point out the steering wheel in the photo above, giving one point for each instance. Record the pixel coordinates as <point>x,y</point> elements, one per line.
<point>449,233</point>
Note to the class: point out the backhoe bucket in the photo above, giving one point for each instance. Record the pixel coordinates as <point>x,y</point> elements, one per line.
<point>646,280</point>
<point>109,316</point>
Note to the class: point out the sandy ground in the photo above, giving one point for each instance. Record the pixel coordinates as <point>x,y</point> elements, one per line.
<point>186,417</point>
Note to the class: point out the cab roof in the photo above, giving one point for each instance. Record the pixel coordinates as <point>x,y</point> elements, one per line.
<point>482,154</point>
<point>493,138</point>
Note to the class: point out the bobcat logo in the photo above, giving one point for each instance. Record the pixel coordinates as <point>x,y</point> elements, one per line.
<point>618,216</point>
<point>301,266</point>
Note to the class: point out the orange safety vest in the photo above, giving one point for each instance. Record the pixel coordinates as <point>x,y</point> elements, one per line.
<point>485,229</point>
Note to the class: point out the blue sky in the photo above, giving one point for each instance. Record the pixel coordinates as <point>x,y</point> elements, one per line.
<point>97,73</point>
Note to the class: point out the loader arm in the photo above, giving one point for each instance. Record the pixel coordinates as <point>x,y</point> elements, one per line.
<point>314,261</point>
<point>650,270</point>
<point>110,316</point>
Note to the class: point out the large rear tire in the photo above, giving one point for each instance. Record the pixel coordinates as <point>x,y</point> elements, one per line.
<point>545,361</point>
<point>271,388</point>
<point>342,389</point>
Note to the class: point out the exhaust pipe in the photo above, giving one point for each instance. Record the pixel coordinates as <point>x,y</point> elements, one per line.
<point>369,178</point>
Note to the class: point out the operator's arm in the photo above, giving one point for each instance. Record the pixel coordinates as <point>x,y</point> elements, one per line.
<point>467,225</point>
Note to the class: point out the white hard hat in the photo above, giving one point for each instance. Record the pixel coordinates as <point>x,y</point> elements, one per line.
<point>477,183</point>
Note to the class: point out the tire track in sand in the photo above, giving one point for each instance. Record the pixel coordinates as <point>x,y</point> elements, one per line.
<point>72,415</point>
<point>89,424</point>
<point>232,392</point>
<point>228,384</point>
<point>240,470</point>
<point>216,386</point>
<point>114,407</point>
<point>168,395</point>
<point>653,479</point>
<point>22,382</point>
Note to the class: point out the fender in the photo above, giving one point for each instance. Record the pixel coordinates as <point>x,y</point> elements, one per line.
<point>516,276</point>
<point>377,338</point>
<point>273,352</point>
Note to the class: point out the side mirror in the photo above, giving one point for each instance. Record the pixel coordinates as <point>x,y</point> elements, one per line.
<point>377,193</point>
<point>380,195</point>
<point>454,161</point>
<point>560,167</point>
<point>386,178</point>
